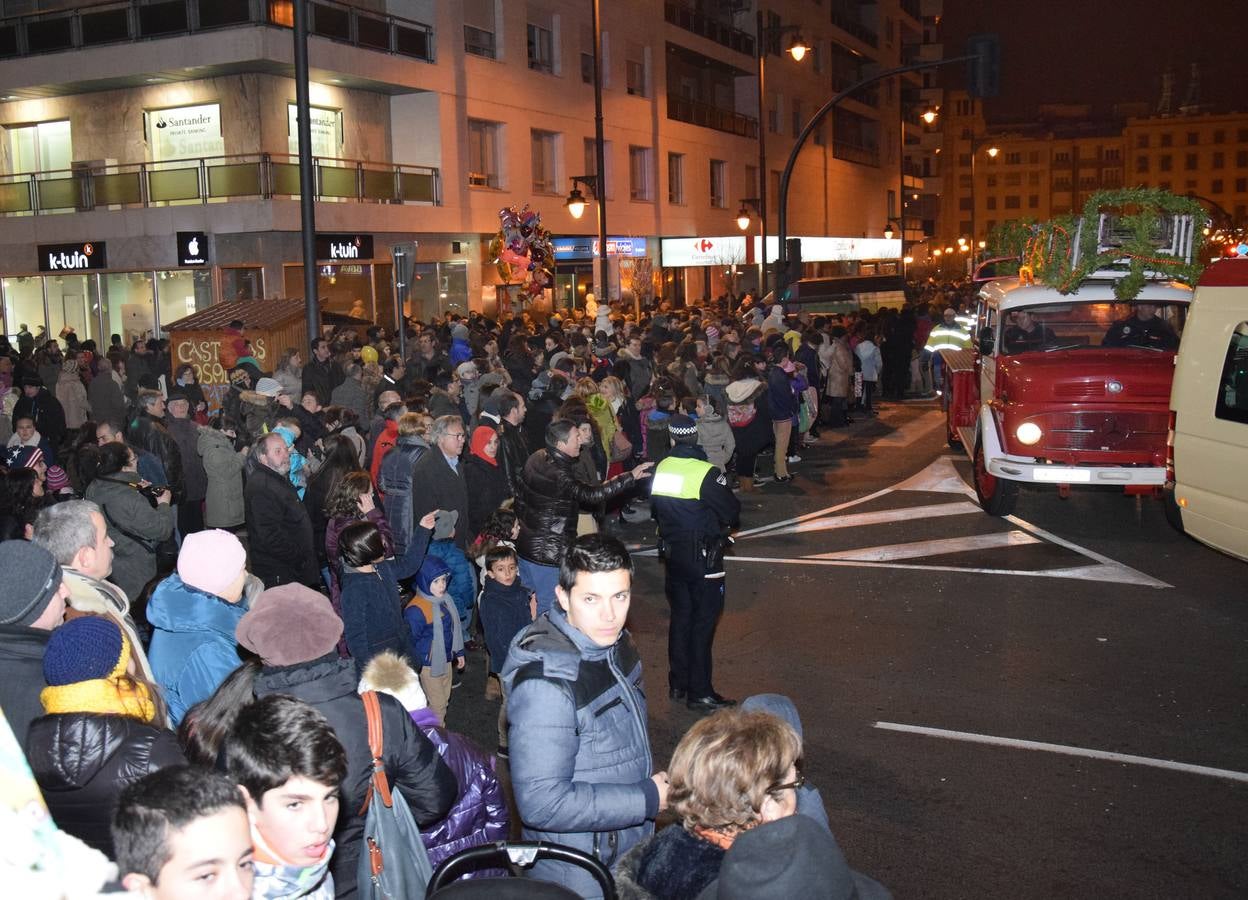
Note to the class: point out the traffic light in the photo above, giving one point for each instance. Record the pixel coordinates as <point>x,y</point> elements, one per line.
<point>793,260</point>
<point>983,73</point>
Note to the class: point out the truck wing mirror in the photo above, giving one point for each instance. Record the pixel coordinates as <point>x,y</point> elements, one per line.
<point>985,341</point>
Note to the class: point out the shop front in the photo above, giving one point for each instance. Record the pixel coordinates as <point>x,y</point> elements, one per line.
<point>73,289</point>
<point>576,268</point>
<point>701,268</point>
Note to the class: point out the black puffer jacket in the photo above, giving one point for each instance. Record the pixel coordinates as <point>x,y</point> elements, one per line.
<point>151,435</point>
<point>83,760</point>
<point>412,762</point>
<point>549,501</point>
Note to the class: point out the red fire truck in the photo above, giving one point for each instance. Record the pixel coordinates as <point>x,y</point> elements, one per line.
<point>1065,389</point>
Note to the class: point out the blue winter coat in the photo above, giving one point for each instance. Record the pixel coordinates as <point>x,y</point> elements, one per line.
<point>504,612</point>
<point>193,647</point>
<point>780,395</point>
<point>394,480</point>
<point>580,751</point>
<point>461,352</point>
<point>372,617</point>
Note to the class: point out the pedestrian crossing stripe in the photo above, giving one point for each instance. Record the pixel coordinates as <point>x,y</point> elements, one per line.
<point>939,477</point>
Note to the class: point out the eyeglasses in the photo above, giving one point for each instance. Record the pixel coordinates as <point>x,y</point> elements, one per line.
<point>796,784</point>
<point>456,434</point>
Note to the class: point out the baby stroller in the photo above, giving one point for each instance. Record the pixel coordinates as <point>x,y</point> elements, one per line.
<point>513,856</point>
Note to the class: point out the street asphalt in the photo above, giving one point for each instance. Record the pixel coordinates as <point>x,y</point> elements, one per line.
<point>1084,624</point>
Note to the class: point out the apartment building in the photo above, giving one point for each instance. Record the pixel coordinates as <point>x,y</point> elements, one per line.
<point>148,158</point>
<point>1051,167</point>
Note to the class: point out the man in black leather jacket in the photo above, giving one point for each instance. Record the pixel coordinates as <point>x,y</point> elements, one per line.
<point>548,503</point>
<point>513,451</point>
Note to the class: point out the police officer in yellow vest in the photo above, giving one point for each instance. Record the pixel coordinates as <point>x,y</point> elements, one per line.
<point>696,510</point>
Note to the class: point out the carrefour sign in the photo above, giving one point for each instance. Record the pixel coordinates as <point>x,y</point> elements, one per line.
<point>703,251</point>
<point>73,257</point>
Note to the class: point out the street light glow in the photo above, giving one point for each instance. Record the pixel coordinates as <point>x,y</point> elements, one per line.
<point>799,49</point>
<point>993,151</point>
<point>929,116</point>
<point>743,218</point>
<point>575,203</point>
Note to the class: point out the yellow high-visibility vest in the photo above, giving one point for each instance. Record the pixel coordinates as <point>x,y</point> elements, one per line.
<point>679,477</point>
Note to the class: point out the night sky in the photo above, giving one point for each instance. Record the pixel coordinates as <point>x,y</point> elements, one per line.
<point>1104,51</point>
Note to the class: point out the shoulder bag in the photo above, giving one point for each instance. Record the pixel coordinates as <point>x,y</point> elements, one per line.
<point>393,862</point>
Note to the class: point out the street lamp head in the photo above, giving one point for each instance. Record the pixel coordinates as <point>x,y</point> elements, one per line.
<point>929,116</point>
<point>983,244</point>
<point>961,240</point>
<point>575,203</point>
<point>993,151</point>
<point>799,48</point>
<point>888,232</point>
<point>937,252</point>
<point>743,218</point>
<point>906,260</point>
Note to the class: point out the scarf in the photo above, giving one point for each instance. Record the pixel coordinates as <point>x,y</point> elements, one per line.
<point>480,437</point>
<point>440,608</point>
<point>113,695</point>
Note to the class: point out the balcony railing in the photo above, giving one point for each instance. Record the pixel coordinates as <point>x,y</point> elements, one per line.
<point>695,112</point>
<point>123,21</point>
<point>849,25</point>
<point>712,29</point>
<point>864,156</point>
<point>213,179</point>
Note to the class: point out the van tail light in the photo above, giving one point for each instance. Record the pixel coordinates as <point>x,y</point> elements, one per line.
<point>1170,447</point>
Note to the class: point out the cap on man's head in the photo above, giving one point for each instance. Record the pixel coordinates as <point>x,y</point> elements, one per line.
<point>31,579</point>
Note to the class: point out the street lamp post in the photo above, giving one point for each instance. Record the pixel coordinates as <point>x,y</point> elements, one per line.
<point>763,39</point>
<point>596,184</point>
<point>787,175</point>
<point>307,184</point>
<point>743,222</point>
<point>976,143</point>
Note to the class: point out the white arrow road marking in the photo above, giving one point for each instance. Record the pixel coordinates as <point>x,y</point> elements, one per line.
<point>939,477</point>
<point>878,517</point>
<point>1065,749</point>
<point>919,549</point>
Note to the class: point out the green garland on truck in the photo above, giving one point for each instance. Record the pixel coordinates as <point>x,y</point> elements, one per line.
<point>1046,250</point>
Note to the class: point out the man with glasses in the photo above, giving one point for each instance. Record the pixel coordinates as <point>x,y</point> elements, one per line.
<point>438,484</point>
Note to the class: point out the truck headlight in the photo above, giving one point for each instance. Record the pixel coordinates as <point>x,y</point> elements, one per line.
<point>1029,433</point>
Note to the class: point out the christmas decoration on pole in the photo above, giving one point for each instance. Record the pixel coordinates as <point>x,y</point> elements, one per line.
<point>1142,233</point>
<point>522,250</point>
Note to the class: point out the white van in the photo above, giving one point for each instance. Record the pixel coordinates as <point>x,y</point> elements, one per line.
<point>1207,466</point>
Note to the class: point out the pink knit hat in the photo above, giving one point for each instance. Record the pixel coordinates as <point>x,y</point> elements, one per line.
<point>211,560</point>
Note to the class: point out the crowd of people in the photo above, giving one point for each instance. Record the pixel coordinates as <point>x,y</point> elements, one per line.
<point>201,588</point>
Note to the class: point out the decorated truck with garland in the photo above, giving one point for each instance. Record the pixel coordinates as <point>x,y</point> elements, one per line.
<point>1067,383</point>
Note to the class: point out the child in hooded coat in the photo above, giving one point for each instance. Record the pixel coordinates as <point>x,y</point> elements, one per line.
<point>479,814</point>
<point>437,637</point>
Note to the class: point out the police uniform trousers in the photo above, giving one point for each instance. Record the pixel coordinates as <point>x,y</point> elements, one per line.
<point>696,603</point>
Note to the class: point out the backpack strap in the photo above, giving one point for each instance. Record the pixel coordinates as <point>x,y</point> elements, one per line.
<point>380,785</point>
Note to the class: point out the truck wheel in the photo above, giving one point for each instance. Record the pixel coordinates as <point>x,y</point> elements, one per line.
<point>1173,514</point>
<point>996,495</point>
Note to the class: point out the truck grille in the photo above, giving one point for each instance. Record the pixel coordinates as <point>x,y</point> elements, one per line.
<point>1095,390</point>
<point>1105,431</point>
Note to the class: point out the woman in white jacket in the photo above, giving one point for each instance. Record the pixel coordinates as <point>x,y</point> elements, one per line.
<point>869,357</point>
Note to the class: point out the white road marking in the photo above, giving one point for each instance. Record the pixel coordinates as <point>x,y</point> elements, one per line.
<point>936,547</point>
<point>814,515</point>
<point>876,517</point>
<point>1107,574</point>
<point>1065,749</point>
<point>939,477</point>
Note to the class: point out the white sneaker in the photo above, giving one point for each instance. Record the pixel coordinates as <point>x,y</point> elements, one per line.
<point>794,458</point>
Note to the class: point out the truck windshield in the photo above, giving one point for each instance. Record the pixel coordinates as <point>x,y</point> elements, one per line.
<point>1142,323</point>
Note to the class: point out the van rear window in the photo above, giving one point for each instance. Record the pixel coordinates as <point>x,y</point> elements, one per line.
<point>1233,390</point>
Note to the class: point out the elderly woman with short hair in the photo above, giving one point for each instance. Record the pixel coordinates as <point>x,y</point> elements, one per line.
<point>731,772</point>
